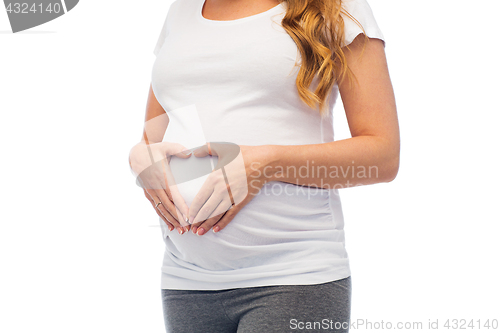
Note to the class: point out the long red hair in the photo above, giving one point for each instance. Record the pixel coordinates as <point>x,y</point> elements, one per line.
<point>317,27</point>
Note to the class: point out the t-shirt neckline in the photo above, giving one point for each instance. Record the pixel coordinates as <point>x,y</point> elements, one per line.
<point>201,18</point>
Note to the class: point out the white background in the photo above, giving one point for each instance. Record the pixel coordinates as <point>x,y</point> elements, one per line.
<point>80,246</point>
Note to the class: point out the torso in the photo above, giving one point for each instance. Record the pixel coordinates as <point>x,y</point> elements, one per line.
<point>233,79</point>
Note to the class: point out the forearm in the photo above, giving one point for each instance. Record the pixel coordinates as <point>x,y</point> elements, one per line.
<point>361,160</point>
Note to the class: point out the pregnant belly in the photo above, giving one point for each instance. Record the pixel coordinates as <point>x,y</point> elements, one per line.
<point>265,228</point>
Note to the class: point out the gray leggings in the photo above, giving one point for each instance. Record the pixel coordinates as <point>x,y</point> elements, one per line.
<point>324,307</point>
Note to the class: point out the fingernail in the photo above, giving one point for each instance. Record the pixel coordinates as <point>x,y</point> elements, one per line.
<point>179,229</point>
<point>186,152</point>
<point>170,228</point>
<point>191,218</point>
<point>216,228</point>
<point>194,229</point>
<point>200,232</point>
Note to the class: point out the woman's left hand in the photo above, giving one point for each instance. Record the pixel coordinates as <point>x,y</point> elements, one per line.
<point>233,184</point>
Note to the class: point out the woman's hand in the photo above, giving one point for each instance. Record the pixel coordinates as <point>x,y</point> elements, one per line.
<point>236,179</point>
<point>149,163</point>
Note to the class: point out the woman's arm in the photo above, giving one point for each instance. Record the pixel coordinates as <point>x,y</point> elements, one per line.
<point>370,156</point>
<point>151,134</point>
<point>149,161</point>
<point>375,144</point>
<point>154,109</point>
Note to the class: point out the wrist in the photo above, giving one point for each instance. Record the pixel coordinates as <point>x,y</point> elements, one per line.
<point>268,162</point>
<point>134,159</point>
<point>140,157</point>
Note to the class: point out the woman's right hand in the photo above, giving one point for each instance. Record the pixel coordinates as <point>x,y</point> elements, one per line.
<point>150,165</point>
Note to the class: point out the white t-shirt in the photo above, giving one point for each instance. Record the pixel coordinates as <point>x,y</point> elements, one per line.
<point>234,81</point>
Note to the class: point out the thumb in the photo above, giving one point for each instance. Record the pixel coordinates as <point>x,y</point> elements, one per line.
<point>176,149</point>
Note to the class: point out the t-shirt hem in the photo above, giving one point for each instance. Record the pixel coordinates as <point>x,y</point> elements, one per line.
<point>169,282</point>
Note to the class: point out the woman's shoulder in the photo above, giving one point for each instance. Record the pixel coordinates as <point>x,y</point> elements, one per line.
<point>361,19</point>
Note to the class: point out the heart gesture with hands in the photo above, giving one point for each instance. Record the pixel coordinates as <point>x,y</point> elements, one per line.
<point>232,184</point>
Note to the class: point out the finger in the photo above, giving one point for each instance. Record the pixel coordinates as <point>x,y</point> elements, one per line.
<point>230,214</point>
<point>195,226</point>
<point>174,195</point>
<point>179,202</point>
<point>208,208</point>
<point>201,151</point>
<point>210,148</point>
<point>171,148</point>
<point>167,221</point>
<point>216,215</point>
<point>227,217</point>
<point>199,200</point>
<point>167,206</point>
<point>174,212</point>
<point>162,193</point>
<point>223,195</point>
<point>169,217</point>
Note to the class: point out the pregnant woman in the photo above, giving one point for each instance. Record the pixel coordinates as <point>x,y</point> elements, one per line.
<point>238,158</point>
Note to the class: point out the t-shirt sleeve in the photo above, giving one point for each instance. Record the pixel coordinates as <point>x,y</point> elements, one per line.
<point>164,30</point>
<point>362,12</point>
